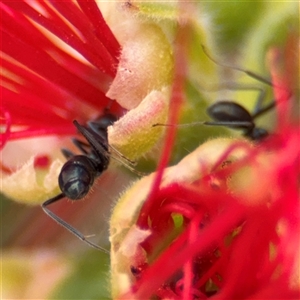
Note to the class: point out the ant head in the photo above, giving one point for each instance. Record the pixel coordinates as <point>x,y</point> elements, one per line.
<point>257,134</point>
<point>77,176</point>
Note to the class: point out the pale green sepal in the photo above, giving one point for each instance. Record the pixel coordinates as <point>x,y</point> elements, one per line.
<point>30,186</point>
<point>126,237</point>
<point>146,64</point>
<point>155,10</point>
<point>133,135</point>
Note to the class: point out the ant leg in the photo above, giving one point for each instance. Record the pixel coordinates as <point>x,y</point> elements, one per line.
<point>261,111</point>
<point>81,146</point>
<point>93,138</point>
<point>244,87</point>
<point>248,72</point>
<point>66,225</point>
<point>258,110</point>
<point>129,166</point>
<point>123,157</point>
<point>101,129</point>
<point>67,153</point>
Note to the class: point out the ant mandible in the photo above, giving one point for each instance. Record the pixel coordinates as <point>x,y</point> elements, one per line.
<point>80,171</point>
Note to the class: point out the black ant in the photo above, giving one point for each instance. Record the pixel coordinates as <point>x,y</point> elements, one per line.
<point>233,115</point>
<point>80,171</point>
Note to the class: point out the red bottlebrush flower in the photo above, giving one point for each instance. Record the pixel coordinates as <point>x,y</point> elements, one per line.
<point>222,224</point>
<point>68,63</point>
<point>69,56</point>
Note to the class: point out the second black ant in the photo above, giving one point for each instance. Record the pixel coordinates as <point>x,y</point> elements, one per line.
<point>234,115</point>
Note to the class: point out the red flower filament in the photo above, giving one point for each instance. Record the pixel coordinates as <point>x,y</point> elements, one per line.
<point>222,246</point>
<point>60,58</point>
<point>208,241</point>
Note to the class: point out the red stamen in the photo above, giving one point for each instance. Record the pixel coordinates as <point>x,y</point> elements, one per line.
<point>42,161</point>
<point>102,31</point>
<point>248,252</point>
<point>43,64</point>
<point>6,117</point>
<point>176,100</point>
<point>61,104</point>
<point>223,248</point>
<point>150,282</point>
<point>47,87</point>
<point>90,49</point>
<point>188,267</point>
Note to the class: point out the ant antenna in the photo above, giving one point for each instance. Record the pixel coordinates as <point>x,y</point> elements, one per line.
<point>248,72</point>
<point>67,225</point>
<point>231,115</point>
<point>80,171</point>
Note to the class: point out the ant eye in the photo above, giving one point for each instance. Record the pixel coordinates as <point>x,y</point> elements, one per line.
<point>76,177</point>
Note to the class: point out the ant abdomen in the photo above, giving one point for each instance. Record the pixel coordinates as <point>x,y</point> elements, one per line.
<point>228,111</point>
<point>235,116</point>
<point>76,177</point>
